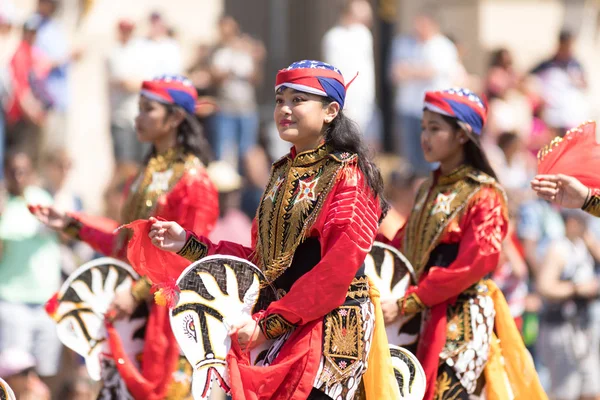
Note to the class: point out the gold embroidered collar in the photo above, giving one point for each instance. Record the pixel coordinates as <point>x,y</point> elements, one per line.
<point>292,201</point>
<point>158,177</point>
<point>439,201</point>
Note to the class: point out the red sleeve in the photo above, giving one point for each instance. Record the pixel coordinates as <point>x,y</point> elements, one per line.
<point>349,228</point>
<point>21,66</point>
<point>100,234</point>
<point>484,228</point>
<point>193,203</point>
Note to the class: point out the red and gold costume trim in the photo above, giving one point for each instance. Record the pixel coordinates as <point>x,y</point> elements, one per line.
<point>193,250</point>
<point>410,304</point>
<point>592,204</point>
<point>274,326</point>
<point>324,197</point>
<point>174,186</point>
<point>463,212</point>
<point>293,199</point>
<point>440,205</point>
<point>72,228</point>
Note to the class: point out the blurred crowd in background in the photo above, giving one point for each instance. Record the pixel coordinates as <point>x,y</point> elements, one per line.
<point>527,108</point>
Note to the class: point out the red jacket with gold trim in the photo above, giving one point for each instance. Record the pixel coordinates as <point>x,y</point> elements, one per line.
<point>317,195</point>
<point>453,238</point>
<point>175,187</point>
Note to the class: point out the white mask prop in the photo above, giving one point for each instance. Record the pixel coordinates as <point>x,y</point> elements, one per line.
<point>392,274</point>
<point>215,293</point>
<point>79,309</point>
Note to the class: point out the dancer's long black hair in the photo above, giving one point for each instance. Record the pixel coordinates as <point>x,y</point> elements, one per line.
<point>474,154</point>
<point>190,136</point>
<point>343,134</point>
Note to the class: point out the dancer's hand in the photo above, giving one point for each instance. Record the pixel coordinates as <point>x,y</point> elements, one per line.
<point>167,235</point>
<point>566,191</point>
<point>390,309</point>
<point>249,334</point>
<point>50,216</point>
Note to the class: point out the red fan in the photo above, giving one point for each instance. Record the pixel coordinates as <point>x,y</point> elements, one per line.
<point>576,154</point>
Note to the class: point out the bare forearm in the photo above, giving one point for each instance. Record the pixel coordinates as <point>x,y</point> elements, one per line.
<point>556,290</point>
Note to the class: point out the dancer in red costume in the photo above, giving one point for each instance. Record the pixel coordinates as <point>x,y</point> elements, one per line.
<point>469,343</point>
<point>173,185</point>
<point>315,224</point>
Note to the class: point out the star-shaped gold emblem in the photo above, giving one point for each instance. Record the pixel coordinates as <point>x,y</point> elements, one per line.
<point>306,190</point>
<point>273,192</point>
<point>160,181</point>
<point>442,203</point>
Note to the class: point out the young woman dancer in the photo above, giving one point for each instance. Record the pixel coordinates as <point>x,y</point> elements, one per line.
<point>173,184</point>
<point>316,222</point>
<point>453,239</point>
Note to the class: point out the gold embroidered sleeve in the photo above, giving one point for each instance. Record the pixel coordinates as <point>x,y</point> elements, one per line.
<point>141,289</point>
<point>72,228</point>
<point>274,325</point>
<point>193,249</point>
<point>592,203</point>
<point>411,304</point>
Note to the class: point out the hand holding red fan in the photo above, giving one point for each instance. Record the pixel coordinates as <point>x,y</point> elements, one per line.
<point>568,166</point>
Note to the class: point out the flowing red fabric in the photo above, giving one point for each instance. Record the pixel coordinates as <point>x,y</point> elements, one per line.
<point>431,344</point>
<point>164,268</point>
<point>576,154</point>
<point>290,378</point>
<point>161,353</point>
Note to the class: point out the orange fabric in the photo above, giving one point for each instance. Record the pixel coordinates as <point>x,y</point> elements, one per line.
<point>510,362</point>
<point>379,379</point>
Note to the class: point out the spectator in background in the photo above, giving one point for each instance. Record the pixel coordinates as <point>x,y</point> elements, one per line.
<point>163,51</point>
<point>201,76</point>
<point>501,75</point>
<point>426,61</point>
<point>509,108</point>
<point>7,21</point>
<point>349,46</point>
<point>563,86</point>
<point>29,270</point>
<point>126,64</point>
<point>233,225</point>
<point>56,167</point>
<point>29,102</point>
<point>17,368</point>
<point>236,68</point>
<point>401,189</point>
<point>53,43</point>
<point>568,346</point>
<point>539,224</point>
<point>519,166</point>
